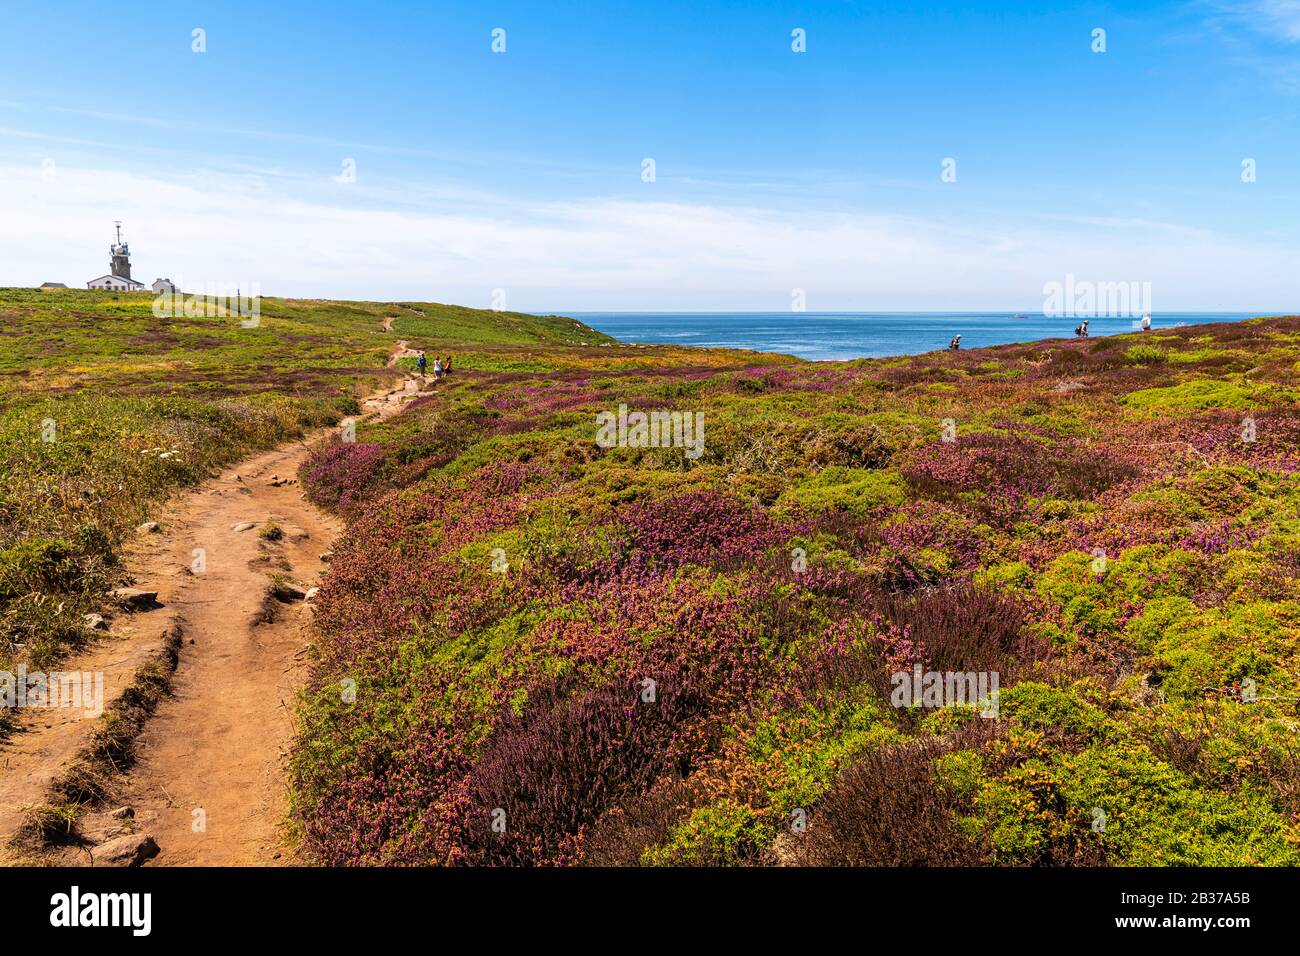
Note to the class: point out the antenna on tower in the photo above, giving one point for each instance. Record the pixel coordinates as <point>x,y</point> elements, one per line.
<point>118,223</point>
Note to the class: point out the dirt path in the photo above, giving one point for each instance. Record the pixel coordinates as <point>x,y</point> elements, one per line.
<point>208,783</point>
<point>208,779</point>
<point>400,352</point>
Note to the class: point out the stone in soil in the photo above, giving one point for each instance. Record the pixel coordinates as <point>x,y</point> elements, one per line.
<point>135,599</point>
<point>130,850</point>
<point>291,592</point>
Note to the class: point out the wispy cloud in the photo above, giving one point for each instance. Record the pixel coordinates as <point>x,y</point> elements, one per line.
<point>208,133</point>
<point>595,253</point>
<point>1256,36</point>
<point>1279,19</point>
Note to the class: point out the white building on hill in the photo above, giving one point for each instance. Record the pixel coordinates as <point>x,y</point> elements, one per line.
<point>119,278</point>
<point>115,284</point>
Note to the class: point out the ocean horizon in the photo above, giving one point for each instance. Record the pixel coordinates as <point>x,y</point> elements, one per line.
<point>842,336</point>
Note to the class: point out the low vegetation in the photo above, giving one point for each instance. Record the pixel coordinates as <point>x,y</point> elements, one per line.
<point>531,648</point>
<point>105,409</point>
<point>534,649</point>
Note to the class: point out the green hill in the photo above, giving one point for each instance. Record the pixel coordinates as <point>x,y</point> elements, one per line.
<point>105,408</point>
<point>62,341</point>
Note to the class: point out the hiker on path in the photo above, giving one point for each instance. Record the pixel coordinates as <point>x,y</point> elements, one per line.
<point>421,363</point>
<point>437,369</point>
<point>955,343</point>
<point>446,365</point>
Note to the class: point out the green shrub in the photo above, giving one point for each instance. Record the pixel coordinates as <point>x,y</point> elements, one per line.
<point>1196,395</point>
<point>1145,355</point>
<point>859,491</point>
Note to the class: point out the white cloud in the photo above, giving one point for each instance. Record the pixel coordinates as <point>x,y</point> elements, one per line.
<point>1278,18</point>
<point>321,239</point>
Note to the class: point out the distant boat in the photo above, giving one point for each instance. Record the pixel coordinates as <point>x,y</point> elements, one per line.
<point>1017,316</point>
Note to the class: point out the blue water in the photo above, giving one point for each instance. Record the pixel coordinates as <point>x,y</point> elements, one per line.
<point>850,335</point>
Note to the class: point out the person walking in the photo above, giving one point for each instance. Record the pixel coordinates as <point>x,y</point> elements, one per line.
<point>421,363</point>
<point>437,369</point>
<point>956,342</point>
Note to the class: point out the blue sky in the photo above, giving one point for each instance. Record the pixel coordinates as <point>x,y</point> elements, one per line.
<point>775,170</point>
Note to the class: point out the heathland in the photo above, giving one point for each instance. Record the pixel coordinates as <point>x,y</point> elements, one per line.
<point>533,647</point>
<point>105,409</point>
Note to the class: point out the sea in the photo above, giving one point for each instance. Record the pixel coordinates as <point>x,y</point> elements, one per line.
<point>825,336</point>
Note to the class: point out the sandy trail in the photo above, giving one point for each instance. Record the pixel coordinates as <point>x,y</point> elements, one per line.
<point>209,779</point>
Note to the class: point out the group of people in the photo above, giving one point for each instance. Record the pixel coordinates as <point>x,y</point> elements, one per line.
<point>441,367</point>
<point>1080,331</point>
